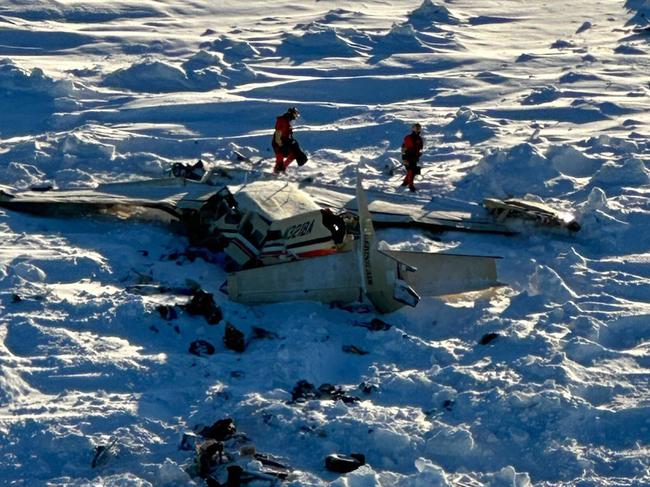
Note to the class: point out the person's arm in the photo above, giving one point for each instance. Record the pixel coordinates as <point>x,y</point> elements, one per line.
<point>277,137</point>
<point>407,146</point>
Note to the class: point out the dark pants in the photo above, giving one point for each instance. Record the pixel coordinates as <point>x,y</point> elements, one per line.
<point>286,154</point>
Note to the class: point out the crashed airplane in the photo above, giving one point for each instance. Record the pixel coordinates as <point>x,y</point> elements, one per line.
<point>389,279</point>
<point>283,244</point>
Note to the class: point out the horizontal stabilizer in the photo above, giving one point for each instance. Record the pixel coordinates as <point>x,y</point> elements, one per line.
<point>442,274</point>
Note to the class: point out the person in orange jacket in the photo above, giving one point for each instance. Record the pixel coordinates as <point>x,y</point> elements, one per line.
<point>286,148</point>
<point>411,152</point>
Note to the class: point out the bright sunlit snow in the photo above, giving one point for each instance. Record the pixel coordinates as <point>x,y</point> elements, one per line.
<point>548,100</point>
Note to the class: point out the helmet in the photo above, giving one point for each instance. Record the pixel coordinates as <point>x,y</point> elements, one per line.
<point>416,127</point>
<point>293,111</point>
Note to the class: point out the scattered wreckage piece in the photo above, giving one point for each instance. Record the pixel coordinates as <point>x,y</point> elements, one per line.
<point>305,391</point>
<point>225,457</point>
<point>338,463</point>
<point>530,210</point>
<point>103,452</point>
<point>201,348</point>
<point>389,279</point>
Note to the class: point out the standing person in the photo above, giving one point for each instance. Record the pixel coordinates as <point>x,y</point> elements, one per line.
<point>286,148</point>
<point>411,152</point>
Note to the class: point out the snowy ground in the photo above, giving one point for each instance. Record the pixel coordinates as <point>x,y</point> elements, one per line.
<point>548,99</point>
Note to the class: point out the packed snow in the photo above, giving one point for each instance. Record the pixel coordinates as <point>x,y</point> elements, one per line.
<point>544,381</point>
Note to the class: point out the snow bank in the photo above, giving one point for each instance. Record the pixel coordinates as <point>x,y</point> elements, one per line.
<point>525,57</point>
<point>574,77</point>
<point>79,13</point>
<point>453,443</point>
<point>630,49</point>
<point>341,14</point>
<point>29,272</point>
<point>240,73</point>
<point>13,78</point>
<point>545,94</point>
<point>12,387</point>
<point>430,474</point>
<point>429,13</point>
<point>203,71</point>
<point>629,172</point>
<point>82,157</point>
<point>207,71</point>
<point>204,59</point>
<point>233,50</point>
<point>611,144</point>
<point>364,476</point>
<point>508,477</point>
<point>600,221</point>
<point>518,170</point>
<point>470,126</point>
<point>319,41</point>
<point>547,282</point>
<point>570,161</point>
<point>625,333</point>
<point>403,38</point>
<point>597,201</point>
<point>149,75</point>
<point>82,144</point>
<point>21,175</point>
<point>563,44</point>
<point>170,474</point>
<point>400,38</point>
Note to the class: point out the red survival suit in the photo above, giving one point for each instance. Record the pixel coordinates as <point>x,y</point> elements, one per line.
<point>411,152</point>
<point>284,153</point>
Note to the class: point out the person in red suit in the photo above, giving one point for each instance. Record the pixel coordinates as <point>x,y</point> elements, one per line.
<point>411,152</point>
<point>286,148</point>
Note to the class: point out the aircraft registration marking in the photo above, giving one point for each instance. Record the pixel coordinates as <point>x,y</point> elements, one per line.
<point>299,230</point>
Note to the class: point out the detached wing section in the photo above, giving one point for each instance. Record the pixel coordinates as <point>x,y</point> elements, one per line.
<point>172,195</point>
<point>389,209</point>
